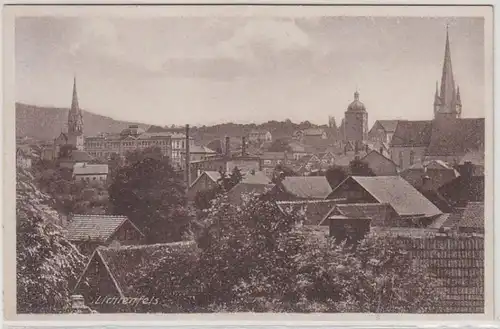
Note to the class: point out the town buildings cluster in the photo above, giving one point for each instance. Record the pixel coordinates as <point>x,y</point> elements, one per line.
<point>428,176</point>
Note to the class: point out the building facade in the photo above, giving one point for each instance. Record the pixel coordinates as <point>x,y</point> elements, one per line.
<point>129,139</point>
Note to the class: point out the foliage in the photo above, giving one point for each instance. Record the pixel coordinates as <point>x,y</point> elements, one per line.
<point>359,168</point>
<point>335,175</point>
<point>47,263</point>
<point>137,155</point>
<point>280,145</point>
<point>281,171</point>
<point>65,150</point>
<point>225,183</point>
<point>152,194</point>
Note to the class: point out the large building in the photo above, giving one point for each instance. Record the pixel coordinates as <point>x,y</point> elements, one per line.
<point>356,122</point>
<point>128,139</point>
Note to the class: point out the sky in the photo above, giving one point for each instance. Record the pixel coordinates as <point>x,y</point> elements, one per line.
<point>207,70</point>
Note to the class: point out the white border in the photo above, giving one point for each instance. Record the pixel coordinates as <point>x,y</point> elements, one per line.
<point>236,319</point>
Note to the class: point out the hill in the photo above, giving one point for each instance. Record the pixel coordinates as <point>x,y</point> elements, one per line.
<point>47,122</point>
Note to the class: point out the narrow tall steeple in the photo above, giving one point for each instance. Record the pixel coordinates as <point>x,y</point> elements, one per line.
<point>75,118</point>
<point>445,104</point>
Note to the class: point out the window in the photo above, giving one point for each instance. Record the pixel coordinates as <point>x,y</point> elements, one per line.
<point>412,157</point>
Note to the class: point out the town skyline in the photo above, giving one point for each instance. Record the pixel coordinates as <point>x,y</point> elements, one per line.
<point>291,74</point>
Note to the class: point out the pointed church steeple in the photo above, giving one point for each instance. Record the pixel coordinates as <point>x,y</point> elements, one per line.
<point>75,118</point>
<point>437,101</point>
<point>74,101</point>
<point>446,104</point>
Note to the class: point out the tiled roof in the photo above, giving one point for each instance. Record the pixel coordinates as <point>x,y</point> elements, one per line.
<point>97,228</point>
<point>458,261</point>
<point>415,133</point>
<point>313,210</point>
<point>127,264</point>
<point>457,137</point>
<point>472,216</point>
<point>213,175</point>
<point>90,169</point>
<point>397,192</point>
<point>307,187</point>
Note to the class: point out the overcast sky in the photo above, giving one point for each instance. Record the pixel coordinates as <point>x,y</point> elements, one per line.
<point>177,70</point>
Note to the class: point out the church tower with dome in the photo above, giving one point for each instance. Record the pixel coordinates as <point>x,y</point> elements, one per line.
<point>356,122</point>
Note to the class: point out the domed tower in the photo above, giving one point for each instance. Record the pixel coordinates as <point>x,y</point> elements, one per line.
<point>356,121</point>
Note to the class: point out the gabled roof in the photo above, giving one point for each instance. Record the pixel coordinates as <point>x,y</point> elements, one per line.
<point>96,228</point>
<point>128,264</point>
<point>414,133</point>
<point>307,187</point>
<point>212,175</point>
<point>457,136</point>
<point>394,190</point>
<point>90,169</point>
<point>314,210</point>
<point>200,149</point>
<point>377,212</point>
<point>472,216</point>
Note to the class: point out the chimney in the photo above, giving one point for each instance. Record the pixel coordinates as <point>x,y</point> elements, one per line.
<point>345,149</point>
<point>188,159</point>
<point>381,150</point>
<point>467,169</point>
<point>366,148</point>
<point>425,182</point>
<point>356,147</point>
<point>227,148</point>
<point>243,146</point>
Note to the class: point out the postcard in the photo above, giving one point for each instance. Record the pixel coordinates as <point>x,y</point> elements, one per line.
<point>248,163</point>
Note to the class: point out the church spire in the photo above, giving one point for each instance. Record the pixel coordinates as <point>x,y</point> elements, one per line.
<point>437,101</point>
<point>74,101</point>
<point>75,118</point>
<point>447,94</point>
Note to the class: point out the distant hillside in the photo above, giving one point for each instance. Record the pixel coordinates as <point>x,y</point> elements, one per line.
<point>47,122</point>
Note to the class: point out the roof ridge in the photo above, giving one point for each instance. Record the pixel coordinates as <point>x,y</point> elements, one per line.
<point>143,246</point>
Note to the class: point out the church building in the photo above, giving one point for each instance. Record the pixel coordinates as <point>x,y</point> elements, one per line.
<point>447,137</point>
<point>74,134</point>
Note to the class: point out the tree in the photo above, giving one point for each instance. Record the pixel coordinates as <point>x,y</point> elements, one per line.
<point>153,196</point>
<point>359,168</point>
<point>280,145</point>
<point>138,155</point>
<point>65,150</point>
<point>47,263</point>
<point>335,175</point>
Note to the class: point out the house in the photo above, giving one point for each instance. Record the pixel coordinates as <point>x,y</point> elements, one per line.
<point>310,212</point>
<point>379,164</point>
<point>299,150</point>
<point>88,232</point>
<point>382,131</point>
<point>118,273</point>
<point>259,136</point>
<point>327,158</point>
<point>303,188</point>
<point>271,159</point>
<point>429,175</point>
<point>251,183</point>
<point>204,182</point>
<point>409,204</point>
<point>380,214</point>
<point>466,188</point>
<point>197,153</point>
<point>90,173</point>
<point>23,158</point>
<point>74,157</point>
<point>468,219</point>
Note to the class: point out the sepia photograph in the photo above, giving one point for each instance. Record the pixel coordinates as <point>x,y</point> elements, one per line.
<point>237,162</point>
